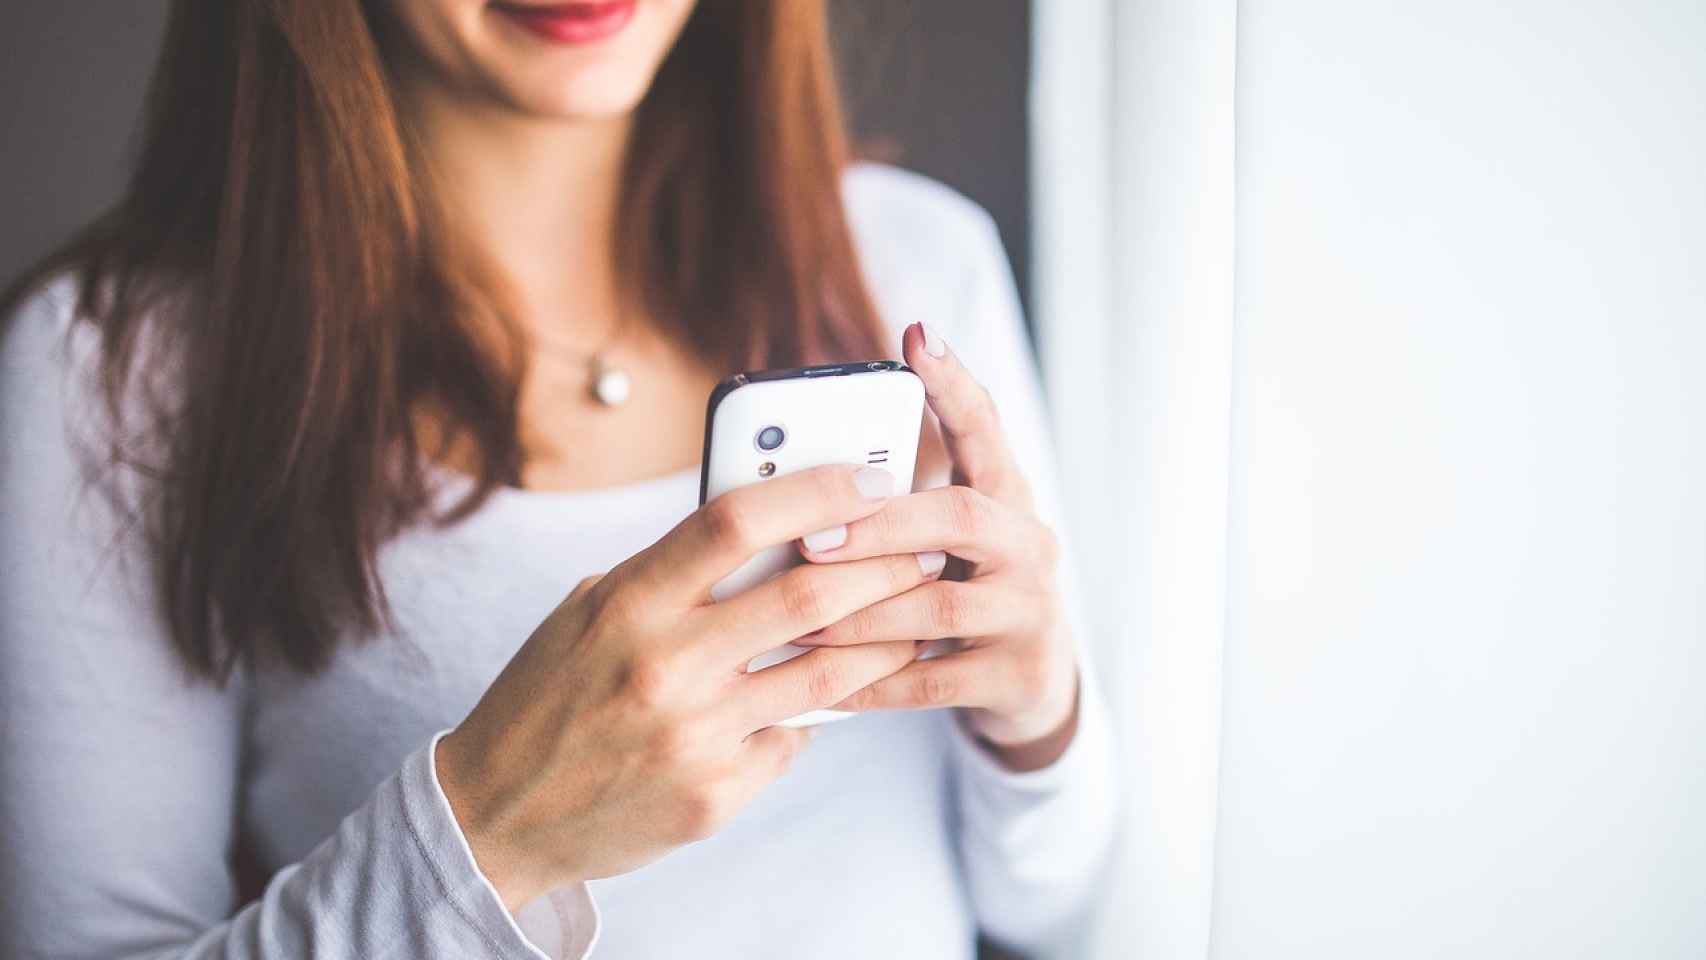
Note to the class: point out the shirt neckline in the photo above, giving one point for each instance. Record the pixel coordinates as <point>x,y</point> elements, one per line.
<point>453,483</point>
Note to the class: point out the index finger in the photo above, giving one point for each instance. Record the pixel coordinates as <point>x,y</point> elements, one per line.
<point>971,428</point>
<point>818,678</point>
<point>722,535</point>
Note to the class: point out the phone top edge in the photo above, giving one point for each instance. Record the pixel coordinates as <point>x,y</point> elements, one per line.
<point>730,384</point>
<point>809,373</point>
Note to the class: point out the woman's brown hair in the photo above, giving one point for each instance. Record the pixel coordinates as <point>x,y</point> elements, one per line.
<point>276,246</point>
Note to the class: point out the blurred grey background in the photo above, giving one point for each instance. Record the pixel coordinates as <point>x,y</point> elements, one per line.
<point>938,87</point>
<point>71,82</point>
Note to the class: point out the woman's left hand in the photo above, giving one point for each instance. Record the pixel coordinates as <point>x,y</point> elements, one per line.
<point>1015,670</point>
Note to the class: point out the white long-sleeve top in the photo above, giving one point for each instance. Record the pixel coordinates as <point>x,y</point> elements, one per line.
<point>127,790</point>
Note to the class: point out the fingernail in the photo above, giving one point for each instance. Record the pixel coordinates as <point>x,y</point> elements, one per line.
<point>934,345</point>
<point>938,647</point>
<point>873,484</point>
<point>932,562</point>
<point>825,540</point>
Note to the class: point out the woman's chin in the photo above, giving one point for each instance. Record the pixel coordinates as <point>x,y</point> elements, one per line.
<point>578,98</point>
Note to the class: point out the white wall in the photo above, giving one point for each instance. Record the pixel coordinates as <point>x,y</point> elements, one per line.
<point>1465,684</point>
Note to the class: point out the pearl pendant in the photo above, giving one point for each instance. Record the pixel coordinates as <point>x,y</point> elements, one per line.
<point>610,385</point>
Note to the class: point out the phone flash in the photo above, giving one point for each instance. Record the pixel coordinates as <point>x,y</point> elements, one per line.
<point>766,468</point>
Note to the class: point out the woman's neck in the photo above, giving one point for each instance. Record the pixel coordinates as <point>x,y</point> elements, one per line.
<point>538,199</point>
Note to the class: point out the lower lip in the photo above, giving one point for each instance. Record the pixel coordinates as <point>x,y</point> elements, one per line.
<point>570,22</point>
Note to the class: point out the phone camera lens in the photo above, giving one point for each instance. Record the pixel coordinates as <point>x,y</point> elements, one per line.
<point>877,365</point>
<point>770,438</point>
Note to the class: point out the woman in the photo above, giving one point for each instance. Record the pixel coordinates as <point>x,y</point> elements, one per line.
<point>329,366</point>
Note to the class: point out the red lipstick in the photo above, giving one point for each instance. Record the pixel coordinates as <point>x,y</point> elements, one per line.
<point>588,21</point>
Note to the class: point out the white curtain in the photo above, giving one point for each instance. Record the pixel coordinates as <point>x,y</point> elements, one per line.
<point>1375,334</point>
<point>1133,223</point>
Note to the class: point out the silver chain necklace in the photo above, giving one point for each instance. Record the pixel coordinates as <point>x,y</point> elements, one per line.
<point>607,384</point>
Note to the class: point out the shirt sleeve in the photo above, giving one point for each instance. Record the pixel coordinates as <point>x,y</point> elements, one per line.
<point>1033,843</point>
<point>120,775</point>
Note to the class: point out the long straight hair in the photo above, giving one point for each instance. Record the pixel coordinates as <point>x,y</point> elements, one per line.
<point>278,249</point>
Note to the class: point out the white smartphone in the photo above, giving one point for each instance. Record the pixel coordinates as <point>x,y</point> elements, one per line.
<point>775,422</point>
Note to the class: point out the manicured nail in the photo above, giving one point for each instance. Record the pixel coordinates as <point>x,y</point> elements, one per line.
<point>873,484</point>
<point>934,345</point>
<point>932,562</point>
<point>826,540</point>
<point>932,649</point>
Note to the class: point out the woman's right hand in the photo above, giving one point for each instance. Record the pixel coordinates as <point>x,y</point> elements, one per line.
<point>627,725</point>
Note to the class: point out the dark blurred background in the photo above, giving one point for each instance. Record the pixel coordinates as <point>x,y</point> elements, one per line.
<point>938,87</point>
